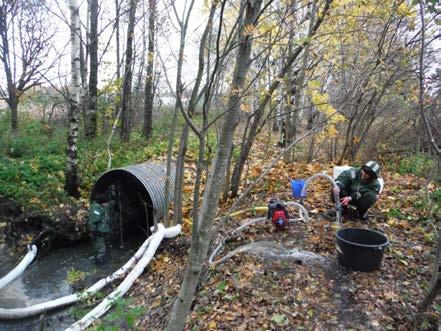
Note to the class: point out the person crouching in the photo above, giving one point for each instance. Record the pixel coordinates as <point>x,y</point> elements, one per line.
<point>358,189</point>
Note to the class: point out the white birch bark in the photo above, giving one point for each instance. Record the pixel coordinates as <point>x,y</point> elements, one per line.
<point>71,182</point>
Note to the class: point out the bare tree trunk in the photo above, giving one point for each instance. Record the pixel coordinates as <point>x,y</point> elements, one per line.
<point>12,98</point>
<point>71,174</point>
<point>126,107</point>
<point>311,149</point>
<point>201,241</point>
<point>171,141</point>
<point>84,62</point>
<point>178,104</point>
<point>118,60</point>
<point>179,176</point>
<point>91,111</point>
<point>191,108</point>
<point>301,77</point>
<point>291,86</point>
<point>13,106</point>
<point>228,176</point>
<point>142,62</point>
<point>347,142</point>
<point>148,103</point>
<point>312,116</point>
<point>201,165</point>
<point>118,51</point>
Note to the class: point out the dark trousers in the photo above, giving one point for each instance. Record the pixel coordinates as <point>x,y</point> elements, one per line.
<point>361,205</point>
<point>99,245</point>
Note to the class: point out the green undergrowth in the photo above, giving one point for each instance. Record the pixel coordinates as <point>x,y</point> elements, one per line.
<point>32,163</point>
<point>123,316</point>
<point>422,165</point>
<point>418,164</point>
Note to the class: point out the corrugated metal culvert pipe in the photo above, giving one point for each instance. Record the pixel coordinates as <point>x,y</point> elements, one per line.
<point>140,194</point>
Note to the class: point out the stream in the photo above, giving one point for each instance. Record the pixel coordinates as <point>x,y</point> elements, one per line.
<point>46,279</point>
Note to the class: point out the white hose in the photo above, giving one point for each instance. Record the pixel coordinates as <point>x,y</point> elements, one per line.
<point>219,247</point>
<point>268,248</point>
<point>303,216</point>
<point>16,313</point>
<point>108,302</point>
<point>248,223</point>
<point>303,213</point>
<point>18,270</point>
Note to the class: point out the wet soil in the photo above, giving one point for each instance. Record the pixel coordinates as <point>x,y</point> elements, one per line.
<point>62,247</point>
<point>20,227</point>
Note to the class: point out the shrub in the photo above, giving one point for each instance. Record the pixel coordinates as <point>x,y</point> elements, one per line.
<point>123,316</point>
<point>417,164</point>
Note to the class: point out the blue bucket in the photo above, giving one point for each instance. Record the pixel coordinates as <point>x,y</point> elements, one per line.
<point>297,187</point>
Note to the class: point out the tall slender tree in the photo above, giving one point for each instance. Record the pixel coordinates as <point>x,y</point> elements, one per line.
<point>210,201</point>
<point>117,48</point>
<point>183,23</point>
<point>91,111</point>
<point>194,98</point>
<point>126,107</point>
<point>71,175</point>
<point>149,91</point>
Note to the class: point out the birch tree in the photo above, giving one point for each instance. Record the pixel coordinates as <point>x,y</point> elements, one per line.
<point>71,174</point>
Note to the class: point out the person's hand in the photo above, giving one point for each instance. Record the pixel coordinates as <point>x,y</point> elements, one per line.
<point>336,189</point>
<point>345,201</point>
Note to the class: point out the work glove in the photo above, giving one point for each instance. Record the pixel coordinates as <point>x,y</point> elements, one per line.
<point>345,201</point>
<point>356,195</point>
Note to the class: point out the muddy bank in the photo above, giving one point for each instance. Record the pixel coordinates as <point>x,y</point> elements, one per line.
<point>64,250</point>
<point>50,277</point>
<point>19,227</point>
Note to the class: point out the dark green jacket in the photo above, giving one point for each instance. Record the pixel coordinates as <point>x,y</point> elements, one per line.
<point>101,217</point>
<point>350,182</point>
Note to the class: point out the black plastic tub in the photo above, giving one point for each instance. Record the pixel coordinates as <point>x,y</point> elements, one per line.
<point>360,249</point>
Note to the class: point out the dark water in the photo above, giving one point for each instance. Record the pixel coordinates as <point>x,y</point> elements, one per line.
<point>46,279</point>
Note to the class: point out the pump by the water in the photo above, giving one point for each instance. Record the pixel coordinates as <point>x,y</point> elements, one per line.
<point>278,214</point>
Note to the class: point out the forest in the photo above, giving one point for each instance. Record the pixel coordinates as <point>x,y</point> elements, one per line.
<point>192,122</point>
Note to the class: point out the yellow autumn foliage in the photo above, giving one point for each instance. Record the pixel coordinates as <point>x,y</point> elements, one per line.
<point>321,101</point>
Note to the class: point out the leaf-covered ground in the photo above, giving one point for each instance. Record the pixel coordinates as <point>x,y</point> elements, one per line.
<point>256,292</point>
